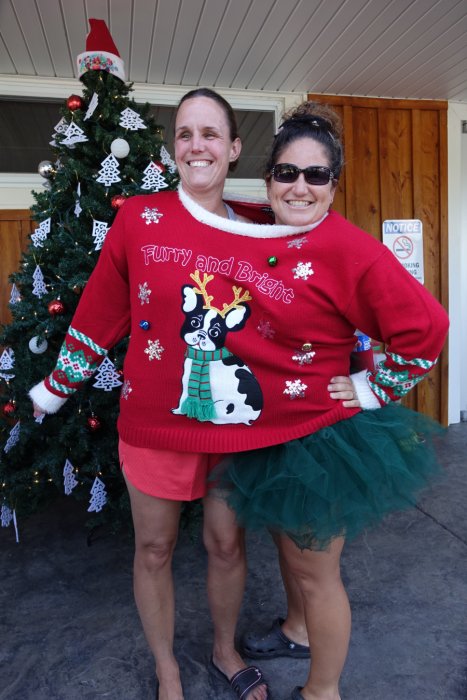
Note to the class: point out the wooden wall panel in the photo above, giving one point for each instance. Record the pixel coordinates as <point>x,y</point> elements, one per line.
<point>362,162</point>
<point>14,229</point>
<point>396,168</point>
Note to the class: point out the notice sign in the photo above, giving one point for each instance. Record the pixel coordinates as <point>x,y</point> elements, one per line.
<point>404,237</point>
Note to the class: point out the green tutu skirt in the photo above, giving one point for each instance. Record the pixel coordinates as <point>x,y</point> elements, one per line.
<point>336,482</point>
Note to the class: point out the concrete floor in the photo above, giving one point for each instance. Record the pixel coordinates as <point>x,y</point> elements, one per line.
<point>69,628</point>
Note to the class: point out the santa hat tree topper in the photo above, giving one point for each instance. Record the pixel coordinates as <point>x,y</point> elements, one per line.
<point>101,52</point>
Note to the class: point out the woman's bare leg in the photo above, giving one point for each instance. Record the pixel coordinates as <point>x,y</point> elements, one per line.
<point>225,543</point>
<point>327,614</point>
<point>294,625</point>
<point>156,528</point>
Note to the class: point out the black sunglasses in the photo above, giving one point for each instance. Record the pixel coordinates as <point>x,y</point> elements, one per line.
<point>314,174</point>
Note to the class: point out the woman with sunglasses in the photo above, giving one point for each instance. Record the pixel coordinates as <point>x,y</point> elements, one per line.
<point>339,469</point>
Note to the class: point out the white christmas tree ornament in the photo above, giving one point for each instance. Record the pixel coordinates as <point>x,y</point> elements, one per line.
<point>167,160</point>
<point>15,296</point>
<point>13,438</point>
<point>38,288</point>
<point>6,515</point>
<point>109,172</point>
<point>73,134</point>
<point>98,496</point>
<point>69,480</point>
<point>153,178</point>
<point>78,208</point>
<point>130,119</point>
<point>59,128</point>
<point>40,234</point>
<point>92,106</point>
<point>107,377</point>
<point>99,232</point>
<point>7,361</point>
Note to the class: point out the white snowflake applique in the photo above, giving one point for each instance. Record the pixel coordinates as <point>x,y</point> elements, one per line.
<point>154,350</point>
<point>295,389</point>
<point>303,271</point>
<point>304,358</point>
<point>151,216</point>
<point>265,329</point>
<point>297,242</point>
<point>126,389</point>
<point>144,293</point>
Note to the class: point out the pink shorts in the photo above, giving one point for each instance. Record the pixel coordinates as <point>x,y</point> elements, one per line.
<point>177,476</point>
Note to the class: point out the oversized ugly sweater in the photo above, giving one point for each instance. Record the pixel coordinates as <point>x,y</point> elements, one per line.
<point>236,329</point>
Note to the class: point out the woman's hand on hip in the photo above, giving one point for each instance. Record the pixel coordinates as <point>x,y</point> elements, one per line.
<point>342,389</point>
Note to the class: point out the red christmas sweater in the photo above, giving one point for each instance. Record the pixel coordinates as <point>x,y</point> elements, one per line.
<point>236,329</point>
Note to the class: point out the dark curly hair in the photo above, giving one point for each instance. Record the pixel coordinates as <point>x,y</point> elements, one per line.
<point>313,120</point>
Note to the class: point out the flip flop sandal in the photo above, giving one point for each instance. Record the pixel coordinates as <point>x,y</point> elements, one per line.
<point>243,681</point>
<point>273,644</point>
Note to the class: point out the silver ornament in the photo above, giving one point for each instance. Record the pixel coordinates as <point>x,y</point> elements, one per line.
<point>38,346</point>
<point>46,169</point>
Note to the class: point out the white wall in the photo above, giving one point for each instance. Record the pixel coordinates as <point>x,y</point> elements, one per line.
<point>457,212</point>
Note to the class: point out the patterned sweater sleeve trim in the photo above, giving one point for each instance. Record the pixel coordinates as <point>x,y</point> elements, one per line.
<point>396,376</point>
<point>78,360</point>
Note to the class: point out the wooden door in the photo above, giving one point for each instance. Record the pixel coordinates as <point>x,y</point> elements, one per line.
<point>15,225</point>
<point>396,168</point>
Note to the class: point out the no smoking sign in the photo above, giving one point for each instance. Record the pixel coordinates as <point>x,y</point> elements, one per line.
<point>404,237</point>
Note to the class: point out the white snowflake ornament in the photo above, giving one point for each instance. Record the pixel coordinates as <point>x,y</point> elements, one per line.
<point>303,271</point>
<point>297,242</point>
<point>304,357</point>
<point>295,389</point>
<point>151,216</point>
<point>126,389</point>
<point>154,350</point>
<point>265,329</point>
<point>144,293</point>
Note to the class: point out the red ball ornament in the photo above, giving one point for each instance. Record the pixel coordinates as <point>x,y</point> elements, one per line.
<point>9,409</point>
<point>160,165</point>
<point>56,307</point>
<point>117,201</point>
<point>94,423</point>
<point>74,102</point>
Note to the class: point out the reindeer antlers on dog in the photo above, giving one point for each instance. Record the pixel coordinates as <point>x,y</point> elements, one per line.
<point>237,301</point>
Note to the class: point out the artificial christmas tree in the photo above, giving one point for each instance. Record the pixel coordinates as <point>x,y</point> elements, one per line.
<point>104,144</point>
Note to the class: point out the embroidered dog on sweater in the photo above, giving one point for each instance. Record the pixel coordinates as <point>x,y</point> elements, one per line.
<point>217,386</point>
